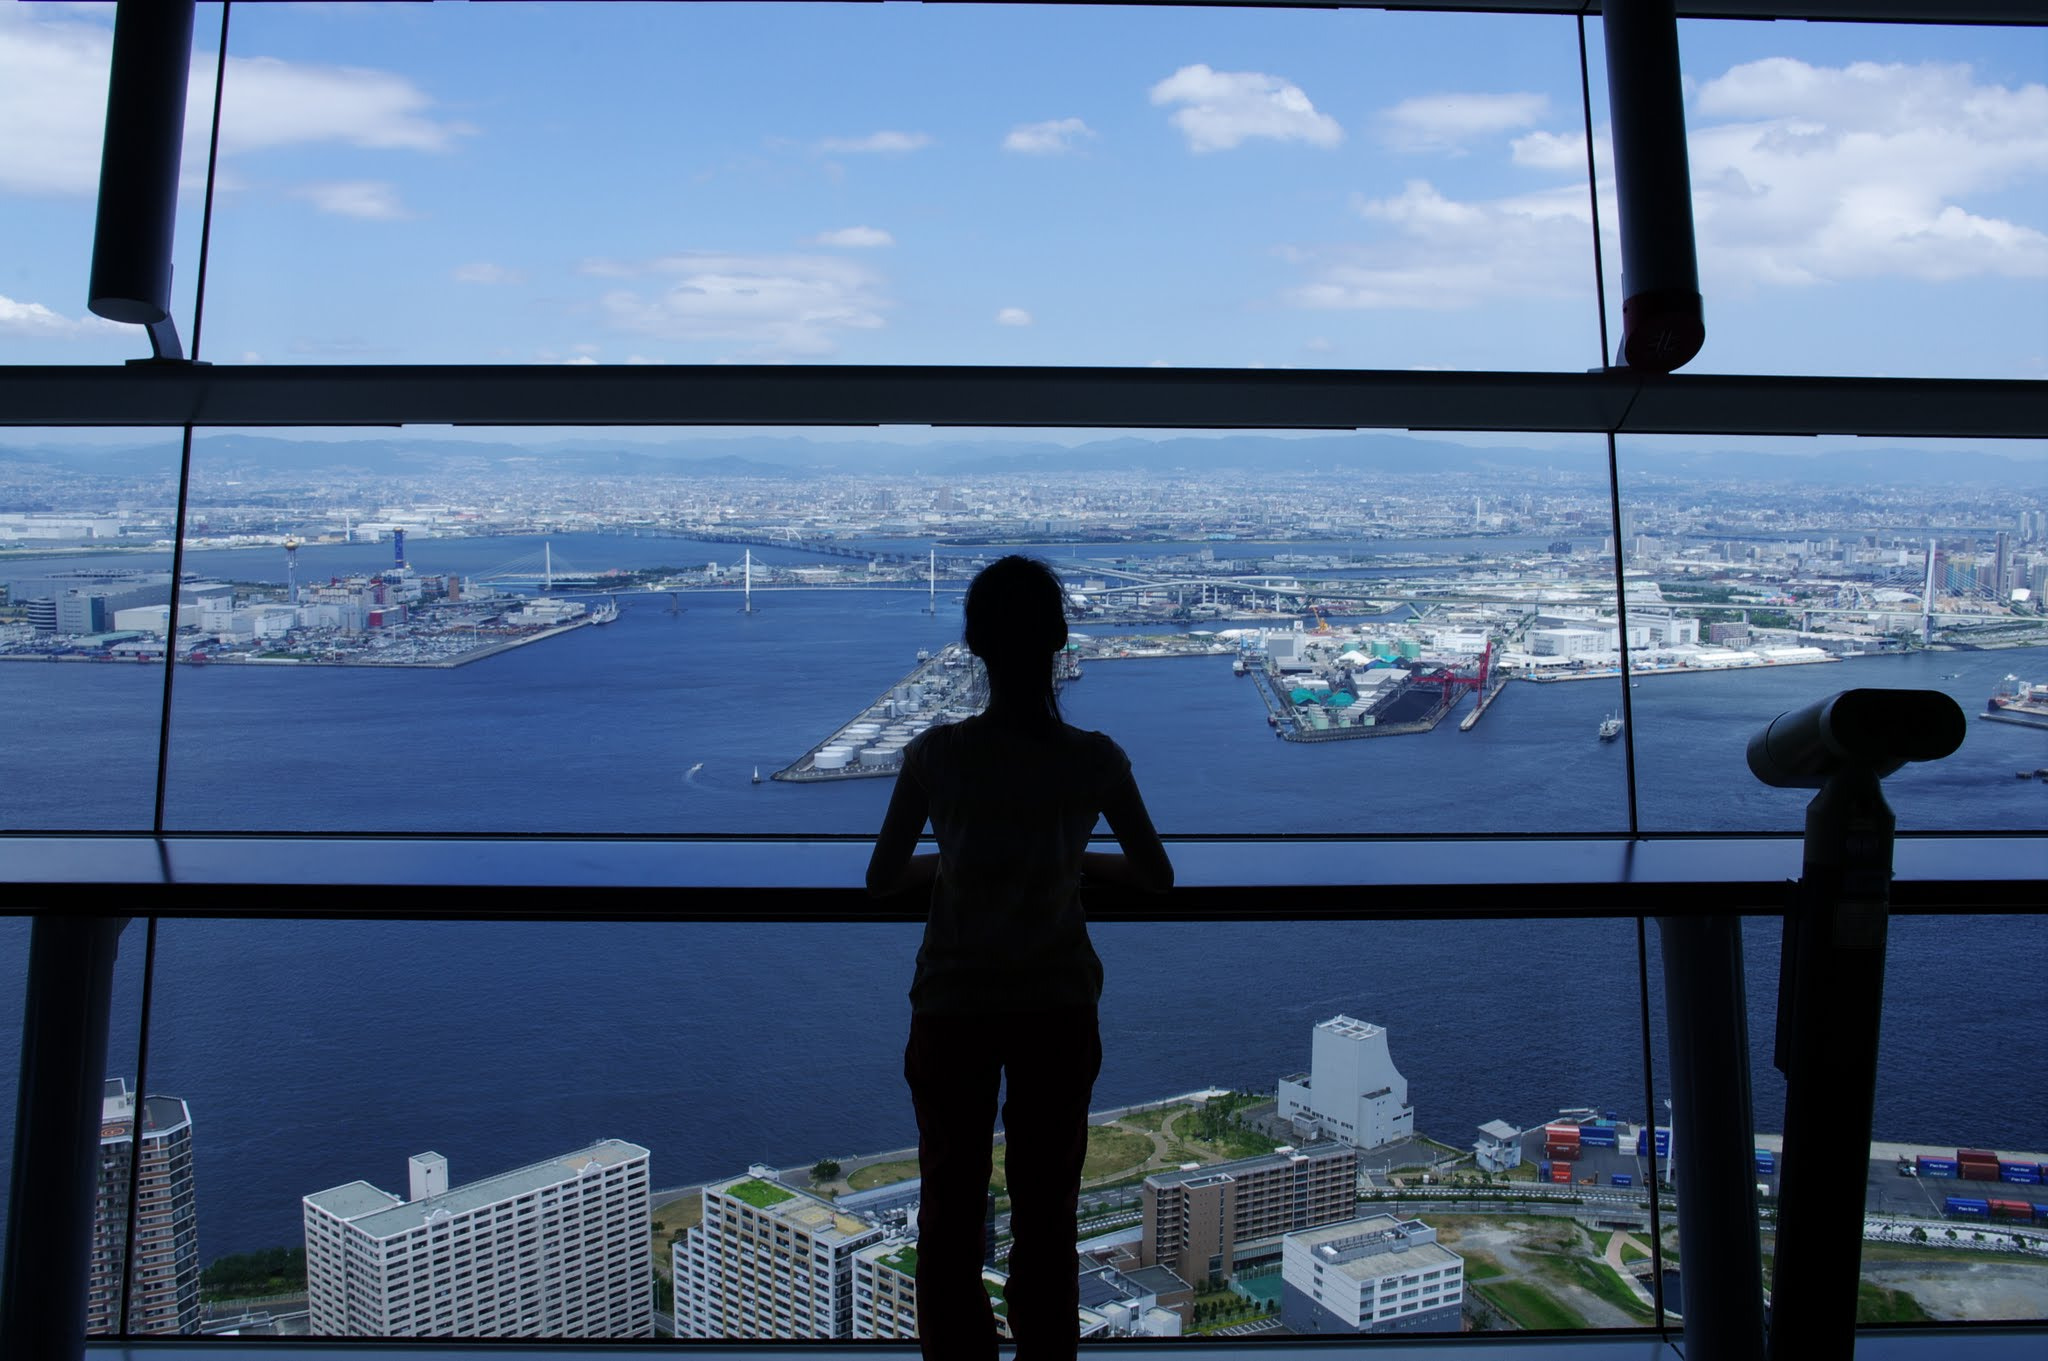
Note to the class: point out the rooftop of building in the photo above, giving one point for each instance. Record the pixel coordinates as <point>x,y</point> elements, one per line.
<point>1156,1280</point>
<point>383,1215</point>
<point>798,1209</point>
<point>1362,1248</point>
<point>161,1115</point>
<point>1280,1157</point>
<point>1351,1028</point>
<point>1498,1129</point>
<point>894,1253</point>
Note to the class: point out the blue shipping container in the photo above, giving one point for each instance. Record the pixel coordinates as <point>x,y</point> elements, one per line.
<point>1544,1170</point>
<point>1935,1167</point>
<point>1593,1136</point>
<point>1623,1179</point>
<point>2041,1214</point>
<point>2021,1174</point>
<point>1966,1205</point>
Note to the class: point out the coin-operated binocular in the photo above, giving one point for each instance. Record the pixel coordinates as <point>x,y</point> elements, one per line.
<point>1831,986</point>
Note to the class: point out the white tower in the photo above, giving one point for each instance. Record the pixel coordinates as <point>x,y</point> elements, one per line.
<point>1352,1091</point>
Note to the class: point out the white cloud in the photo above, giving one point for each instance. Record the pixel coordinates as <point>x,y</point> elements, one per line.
<point>1223,109</point>
<point>271,103</point>
<point>53,89</point>
<point>778,306</point>
<point>1051,138</point>
<point>1319,345</point>
<point>1447,255</point>
<point>1554,151</point>
<point>1445,122</point>
<point>854,237</point>
<point>484,272</point>
<point>1802,175</point>
<point>1833,173</point>
<point>371,200</point>
<point>878,142</point>
<point>34,319</point>
<point>1013,316</point>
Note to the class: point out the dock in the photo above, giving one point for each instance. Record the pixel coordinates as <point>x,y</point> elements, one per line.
<point>944,687</point>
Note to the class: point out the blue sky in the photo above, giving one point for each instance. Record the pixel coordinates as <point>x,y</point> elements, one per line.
<point>954,184</point>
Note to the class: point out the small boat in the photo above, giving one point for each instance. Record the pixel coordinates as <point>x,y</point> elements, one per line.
<point>605,613</point>
<point>1610,728</point>
<point>1237,667</point>
<point>757,774</point>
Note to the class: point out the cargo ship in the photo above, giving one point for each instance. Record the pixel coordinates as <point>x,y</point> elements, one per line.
<point>1610,728</point>
<point>2017,701</point>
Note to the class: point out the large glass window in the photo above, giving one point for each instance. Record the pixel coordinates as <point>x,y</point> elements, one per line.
<point>1294,633</point>
<point>1867,198</point>
<point>1762,578</point>
<point>1000,185</point>
<point>54,61</point>
<point>85,562</point>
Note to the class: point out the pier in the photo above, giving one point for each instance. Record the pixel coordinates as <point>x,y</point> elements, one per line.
<point>944,687</point>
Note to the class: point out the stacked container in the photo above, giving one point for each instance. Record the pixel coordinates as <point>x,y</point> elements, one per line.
<point>1977,1164</point>
<point>1561,1142</point>
<point>1598,1136</point>
<point>1663,1142</point>
<point>2020,1174</point>
<point>1561,1173</point>
<point>1766,1162</point>
<point>1935,1167</point>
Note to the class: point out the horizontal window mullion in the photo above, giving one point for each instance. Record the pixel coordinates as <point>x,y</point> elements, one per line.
<point>1121,398</point>
<point>791,879</point>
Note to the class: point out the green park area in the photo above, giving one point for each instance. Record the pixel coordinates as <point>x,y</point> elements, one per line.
<point>758,1193</point>
<point>1528,1306</point>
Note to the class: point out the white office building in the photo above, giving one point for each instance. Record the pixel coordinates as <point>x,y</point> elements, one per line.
<point>768,1262</point>
<point>554,1249</point>
<point>1352,1092</point>
<point>1373,1275</point>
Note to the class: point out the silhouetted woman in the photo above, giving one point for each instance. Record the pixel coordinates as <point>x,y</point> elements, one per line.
<point>1006,981</point>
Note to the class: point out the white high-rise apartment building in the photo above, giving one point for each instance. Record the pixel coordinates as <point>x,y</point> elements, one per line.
<point>768,1262</point>
<point>1352,1091</point>
<point>166,1276</point>
<point>555,1249</point>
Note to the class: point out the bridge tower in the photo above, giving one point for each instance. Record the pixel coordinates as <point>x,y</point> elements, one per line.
<point>291,570</point>
<point>1927,596</point>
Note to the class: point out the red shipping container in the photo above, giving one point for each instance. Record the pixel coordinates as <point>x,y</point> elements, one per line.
<point>1561,1174</point>
<point>1561,1134</point>
<point>2012,1209</point>
<point>1560,1152</point>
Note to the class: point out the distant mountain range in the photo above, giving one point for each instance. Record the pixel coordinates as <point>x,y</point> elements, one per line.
<point>781,456</point>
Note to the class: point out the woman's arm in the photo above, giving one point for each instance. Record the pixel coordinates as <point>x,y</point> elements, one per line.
<point>1143,863</point>
<point>893,868</point>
